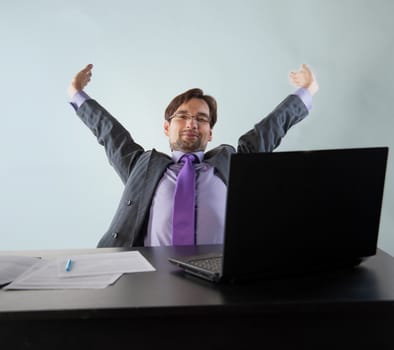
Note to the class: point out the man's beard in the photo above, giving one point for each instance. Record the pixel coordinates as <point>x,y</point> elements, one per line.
<point>187,146</point>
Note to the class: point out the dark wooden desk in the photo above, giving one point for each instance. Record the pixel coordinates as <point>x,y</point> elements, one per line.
<point>352,309</point>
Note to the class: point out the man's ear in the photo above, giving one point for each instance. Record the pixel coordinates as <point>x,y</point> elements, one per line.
<point>210,136</point>
<point>166,126</point>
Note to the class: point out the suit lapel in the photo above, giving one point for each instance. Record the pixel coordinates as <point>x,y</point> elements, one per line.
<point>156,167</point>
<point>219,158</point>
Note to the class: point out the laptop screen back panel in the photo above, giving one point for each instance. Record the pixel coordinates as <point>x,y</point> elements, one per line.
<point>294,211</point>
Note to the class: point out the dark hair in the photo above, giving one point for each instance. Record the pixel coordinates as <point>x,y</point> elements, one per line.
<point>188,95</point>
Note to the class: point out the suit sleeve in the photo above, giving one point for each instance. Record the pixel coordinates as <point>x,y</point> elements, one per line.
<point>121,150</point>
<point>268,133</point>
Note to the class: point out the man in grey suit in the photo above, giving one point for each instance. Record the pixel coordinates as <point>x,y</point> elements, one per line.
<point>145,212</point>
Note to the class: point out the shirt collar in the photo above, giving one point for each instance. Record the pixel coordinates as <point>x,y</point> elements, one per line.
<point>176,155</point>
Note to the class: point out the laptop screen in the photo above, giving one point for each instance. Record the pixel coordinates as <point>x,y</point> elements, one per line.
<point>295,210</point>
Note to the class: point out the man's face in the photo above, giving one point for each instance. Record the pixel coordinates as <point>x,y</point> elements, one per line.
<point>187,134</point>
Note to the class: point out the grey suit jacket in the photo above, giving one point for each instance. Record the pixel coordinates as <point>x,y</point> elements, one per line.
<point>142,170</point>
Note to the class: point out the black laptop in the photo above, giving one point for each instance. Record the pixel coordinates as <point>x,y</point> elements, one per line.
<point>294,212</point>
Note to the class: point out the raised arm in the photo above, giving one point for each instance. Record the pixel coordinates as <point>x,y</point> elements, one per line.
<point>268,133</point>
<point>122,152</point>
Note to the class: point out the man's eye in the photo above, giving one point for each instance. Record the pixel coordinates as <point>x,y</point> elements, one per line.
<point>202,119</point>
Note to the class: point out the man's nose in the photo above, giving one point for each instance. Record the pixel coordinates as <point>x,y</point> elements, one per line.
<point>192,123</point>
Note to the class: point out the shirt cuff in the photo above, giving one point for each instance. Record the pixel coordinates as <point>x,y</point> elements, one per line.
<point>79,98</point>
<point>305,97</point>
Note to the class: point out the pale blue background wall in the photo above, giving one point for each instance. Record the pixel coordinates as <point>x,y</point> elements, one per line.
<point>57,189</point>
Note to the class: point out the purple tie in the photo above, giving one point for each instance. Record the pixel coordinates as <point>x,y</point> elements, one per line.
<point>184,201</point>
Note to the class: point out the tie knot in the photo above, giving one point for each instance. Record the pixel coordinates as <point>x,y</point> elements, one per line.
<point>190,158</point>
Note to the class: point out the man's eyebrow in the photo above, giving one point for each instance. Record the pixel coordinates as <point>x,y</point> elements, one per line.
<point>203,113</point>
<point>185,111</point>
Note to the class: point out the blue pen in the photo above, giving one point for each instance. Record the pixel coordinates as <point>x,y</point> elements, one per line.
<point>69,264</point>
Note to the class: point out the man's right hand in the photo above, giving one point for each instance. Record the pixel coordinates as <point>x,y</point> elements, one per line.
<point>80,80</point>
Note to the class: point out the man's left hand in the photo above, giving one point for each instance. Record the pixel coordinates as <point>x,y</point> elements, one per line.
<point>304,78</point>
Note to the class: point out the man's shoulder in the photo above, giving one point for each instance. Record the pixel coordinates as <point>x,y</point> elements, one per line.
<point>155,153</point>
<point>159,159</point>
<point>223,149</point>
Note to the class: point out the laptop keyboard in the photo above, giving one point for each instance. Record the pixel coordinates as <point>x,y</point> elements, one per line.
<point>213,264</point>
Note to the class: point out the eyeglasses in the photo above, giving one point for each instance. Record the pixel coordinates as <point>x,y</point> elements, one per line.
<point>187,117</point>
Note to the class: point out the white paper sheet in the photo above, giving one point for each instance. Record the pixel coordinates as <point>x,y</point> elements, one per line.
<point>103,263</point>
<point>88,271</point>
<point>12,266</point>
